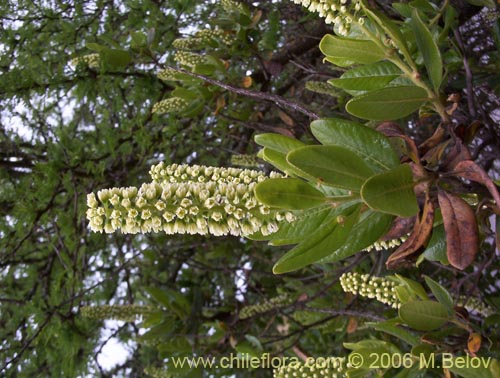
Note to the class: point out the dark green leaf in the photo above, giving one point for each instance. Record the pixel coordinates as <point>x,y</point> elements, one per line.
<point>373,147</point>
<point>333,165</point>
<point>387,103</point>
<point>288,193</point>
<point>318,245</point>
<point>429,50</point>
<point>440,293</point>
<point>423,315</point>
<point>370,227</point>
<point>391,327</point>
<point>278,142</point>
<point>436,250</point>
<point>114,59</point>
<point>356,50</point>
<point>306,223</point>
<point>368,77</point>
<point>392,192</point>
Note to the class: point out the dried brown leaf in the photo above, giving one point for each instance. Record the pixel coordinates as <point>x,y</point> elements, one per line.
<point>286,118</point>
<point>400,227</point>
<point>420,235</point>
<point>462,239</point>
<point>474,342</point>
<point>391,129</point>
<point>471,171</point>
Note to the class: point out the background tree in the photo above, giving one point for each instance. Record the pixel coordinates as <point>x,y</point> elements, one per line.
<point>73,123</point>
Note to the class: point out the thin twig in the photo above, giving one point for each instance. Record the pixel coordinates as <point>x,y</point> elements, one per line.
<point>252,94</point>
<point>468,75</point>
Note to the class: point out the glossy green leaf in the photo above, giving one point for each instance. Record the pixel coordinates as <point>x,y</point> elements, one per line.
<point>114,59</point>
<point>392,192</point>
<point>95,46</point>
<point>278,142</point>
<point>278,160</point>
<point>370,227</point>
<point>368,77</point>
<point>355,50</point>
<point>332,165</point>
<point>416,290</point>
<point>305,224</point>
<point>440,293</point>
<point>319,245</point>
<point>429,50</point>
<point>436,249</point>
<point>388,25</point>
<point>423,315</point>
<point>373,147</point>
<point>288,193</point>
<point>391,327</point>
<point>470,366</point>
<point>387,103</point>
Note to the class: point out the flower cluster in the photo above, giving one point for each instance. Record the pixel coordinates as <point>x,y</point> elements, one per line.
<point>186,200</point>
<point>379,288</point>
<point>126,313</point>
<point>340,13</point>
<point>382,245</point>
<point>473,304</point>
<point>322,88</point>
<point>332,367</point>
<point>190,59</point>
<point>176,173</point>
<point>90,60</point>
<point>170,105</point>
<point>244,160</point>
<point>168,74</point>
<point>202,38</point>
<point>260,308</point>
<point>232,6</point>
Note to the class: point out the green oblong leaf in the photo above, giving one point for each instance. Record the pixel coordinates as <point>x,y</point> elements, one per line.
<point>306,223</point>
<point>428,48</point>
<point>288,193</point>
<point>278,160</point>
<point>114,58</point>
<point>440,293</point>
<point>368,77</point>
<point>278,142</point>
<point>355,50</point>
<point>423,315</point>
<point>387,103</point>
<point>370,227</point>
<point>388,25</point>
<point>332,165</point>
<point>319,245</point>
<point>391,327</point>
<point>391,192</point>
<point>372,146</point>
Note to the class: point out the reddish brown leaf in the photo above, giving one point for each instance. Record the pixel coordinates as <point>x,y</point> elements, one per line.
<point>392,130</point>
<point>471,171</point>
<point>420,235</point>
<point>434,140</point>
<point>497,231</point>
<point>400,227</point>
<point>458,152</point>
<point>474,342</point>
<point>462,240</point>
<point>352,325</point>
<point>286,118</point>
<point>273,67</point>
<point>247,82</point>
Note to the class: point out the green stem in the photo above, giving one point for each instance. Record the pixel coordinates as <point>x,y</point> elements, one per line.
<point>439,14</point>
<point>409,70</point>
